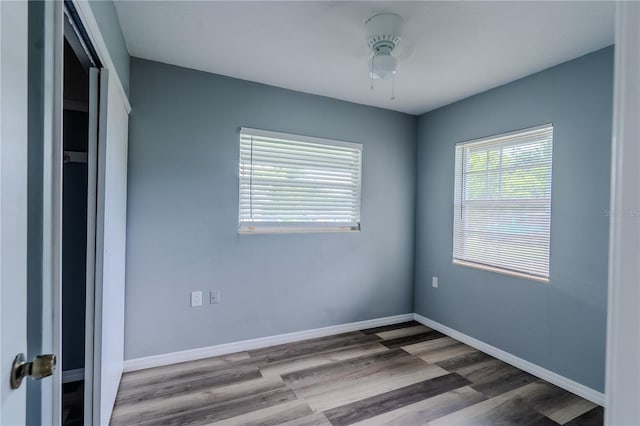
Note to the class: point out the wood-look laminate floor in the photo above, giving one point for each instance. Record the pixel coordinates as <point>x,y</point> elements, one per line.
<point>404,374</point>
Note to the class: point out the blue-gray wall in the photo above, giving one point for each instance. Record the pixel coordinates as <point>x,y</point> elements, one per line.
<point>183,216</point>
<point>107,19</point>
<point>561,325</point>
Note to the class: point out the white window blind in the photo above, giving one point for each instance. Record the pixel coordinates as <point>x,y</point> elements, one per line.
<point>503,202</point>
<point>291,183</point>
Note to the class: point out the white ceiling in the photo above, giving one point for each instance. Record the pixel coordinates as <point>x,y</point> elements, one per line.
<point>450,50</point>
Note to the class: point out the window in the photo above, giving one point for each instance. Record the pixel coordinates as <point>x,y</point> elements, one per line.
<point>502,209</point>
<point>291,183</point>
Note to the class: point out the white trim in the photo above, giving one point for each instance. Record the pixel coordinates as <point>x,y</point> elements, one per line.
<point>502,271</point>
<point>93,31</point>
<point>76,375</point>
<point>623,322</point>
<point>261,342</point>
<point>92,177</point>
<point>256,228</point>
<point>298,138</point>
<point>551,377</point>
<point>52,146</point>
<point>505,135</point>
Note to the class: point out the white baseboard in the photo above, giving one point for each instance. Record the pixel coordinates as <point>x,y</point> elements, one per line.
<point>261,342</point>
<point>551,377</point>
<point>73,375</point>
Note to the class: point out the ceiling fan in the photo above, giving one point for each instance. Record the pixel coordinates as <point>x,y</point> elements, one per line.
<point>384,32</point>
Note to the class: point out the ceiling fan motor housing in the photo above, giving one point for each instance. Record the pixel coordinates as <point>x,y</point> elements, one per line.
<point>383,32</point>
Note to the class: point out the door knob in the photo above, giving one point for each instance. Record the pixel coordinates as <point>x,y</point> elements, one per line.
<point>41,366</point>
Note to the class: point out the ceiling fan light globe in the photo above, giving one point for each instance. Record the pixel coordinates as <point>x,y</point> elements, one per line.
<point>383,67</point>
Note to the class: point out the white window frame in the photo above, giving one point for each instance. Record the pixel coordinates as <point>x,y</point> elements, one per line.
<point>459,257</point>
<point>276,227</point>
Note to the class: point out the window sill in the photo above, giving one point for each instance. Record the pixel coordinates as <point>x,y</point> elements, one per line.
<point>297,230</point>
<point>500,271</point>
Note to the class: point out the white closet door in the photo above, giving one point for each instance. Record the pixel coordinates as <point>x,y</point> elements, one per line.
<point>92,185</point>
<point>111,224</point>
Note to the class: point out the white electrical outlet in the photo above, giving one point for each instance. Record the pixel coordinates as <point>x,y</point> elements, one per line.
<point>214,297</point>
<point>434,282</point>
<point>196,298</point>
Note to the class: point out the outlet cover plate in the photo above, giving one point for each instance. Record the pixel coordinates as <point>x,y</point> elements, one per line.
<point>214,297</point>
<point>196,298</point>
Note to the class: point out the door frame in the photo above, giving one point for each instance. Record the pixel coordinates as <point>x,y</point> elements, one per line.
<point>52,155</point>
<point>623,324</point>
<point>88,19</point>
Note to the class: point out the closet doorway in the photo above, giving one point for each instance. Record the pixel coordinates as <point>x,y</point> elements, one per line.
<point>78,60</point>
<point>94,198</point>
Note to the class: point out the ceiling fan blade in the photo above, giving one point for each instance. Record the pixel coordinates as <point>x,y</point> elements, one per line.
<point>345,21</point>
<point>404,50</point>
